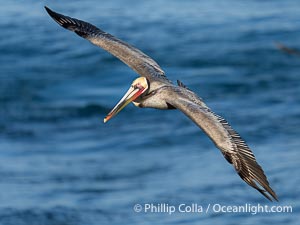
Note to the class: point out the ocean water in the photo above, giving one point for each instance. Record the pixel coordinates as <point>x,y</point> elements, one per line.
<point>60,164</point>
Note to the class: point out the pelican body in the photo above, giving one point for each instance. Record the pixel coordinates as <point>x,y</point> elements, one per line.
<point>154,90</point>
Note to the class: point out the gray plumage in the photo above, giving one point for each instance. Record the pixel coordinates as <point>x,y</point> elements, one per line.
<point>134,58</point>
<point>164,95</point>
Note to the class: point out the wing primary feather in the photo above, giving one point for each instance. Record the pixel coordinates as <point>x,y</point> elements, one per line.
<point>134,58</point>
<point>250,167</point>
<point>233,147</point>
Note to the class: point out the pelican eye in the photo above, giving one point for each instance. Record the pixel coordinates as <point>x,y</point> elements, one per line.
<point>151,93</point>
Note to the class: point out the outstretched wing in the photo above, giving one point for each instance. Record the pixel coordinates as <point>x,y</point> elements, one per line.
<point>134,58</point>
<point>232,146</point>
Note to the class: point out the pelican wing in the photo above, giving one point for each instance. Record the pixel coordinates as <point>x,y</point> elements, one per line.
<point>232,146</point>
<point>134,58</point>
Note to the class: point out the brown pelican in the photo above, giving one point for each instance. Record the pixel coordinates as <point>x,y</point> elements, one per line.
<point>154,90</point>
<point>286,49</point>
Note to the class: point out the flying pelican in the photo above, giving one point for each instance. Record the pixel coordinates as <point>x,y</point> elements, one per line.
<point>286,49</point>
<point>154,90</point>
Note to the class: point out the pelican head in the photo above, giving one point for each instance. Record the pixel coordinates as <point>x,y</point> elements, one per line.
<point>138,87</point>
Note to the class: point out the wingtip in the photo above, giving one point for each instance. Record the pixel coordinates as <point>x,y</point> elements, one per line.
<point>49,11</point>
<point>275,197</point>
<point>57,17</point>
<point>269,194</point>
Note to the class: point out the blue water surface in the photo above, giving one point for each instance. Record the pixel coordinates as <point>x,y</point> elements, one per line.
<point>60,164</point>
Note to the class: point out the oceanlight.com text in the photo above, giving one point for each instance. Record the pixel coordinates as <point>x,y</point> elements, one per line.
<point>210,208</point>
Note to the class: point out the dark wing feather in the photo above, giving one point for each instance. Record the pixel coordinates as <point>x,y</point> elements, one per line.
<point>134,58</point>
<point>232,146</point>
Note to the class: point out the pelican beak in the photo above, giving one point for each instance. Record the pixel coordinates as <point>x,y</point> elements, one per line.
<point>133,93</point>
